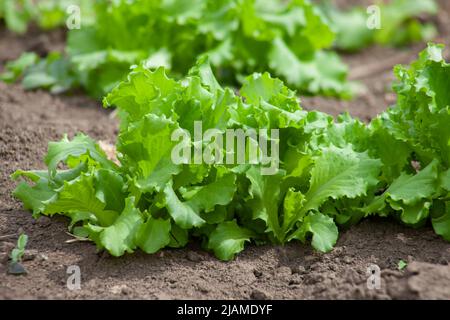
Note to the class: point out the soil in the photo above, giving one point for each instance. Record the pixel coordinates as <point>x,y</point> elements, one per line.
<point>28,120</point>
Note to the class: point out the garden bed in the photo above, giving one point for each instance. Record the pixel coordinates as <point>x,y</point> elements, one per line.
<point>28,120</point>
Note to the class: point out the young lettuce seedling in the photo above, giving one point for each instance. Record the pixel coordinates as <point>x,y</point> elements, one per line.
<point>16,256</point>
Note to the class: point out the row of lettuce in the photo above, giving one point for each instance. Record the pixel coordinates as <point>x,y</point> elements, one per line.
<point>293,40</point>
<point>332,172</point>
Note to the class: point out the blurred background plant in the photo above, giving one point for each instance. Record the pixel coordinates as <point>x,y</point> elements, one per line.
<point>294,40</point>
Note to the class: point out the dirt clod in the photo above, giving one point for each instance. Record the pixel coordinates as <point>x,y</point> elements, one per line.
<point>259,295</point>
<point>120,289</point>
<point>44,222</point>
<point>16,269</point>
<point>30,255</point>
<point>194,256</point>
<point>257,273</point>
<point>347,260</point>
<point>429,281</point>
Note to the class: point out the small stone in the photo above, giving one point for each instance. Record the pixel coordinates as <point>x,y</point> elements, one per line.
<point>333,267</point>
<point>338,250</point>
<point>402,237</point>
<point>126,291</point>
<point>16,269</point>
<point>443,261</point>
<point>44,222</point>
<point>259,295</point>
<point>30,255</point>
<point>294,282</point>
<point>315,267</point>
<point>203,289</point>
<point>120,289</point>
<point>42,257</point>
<point>382,264</point>
<point>257,273</point>
<point>299,269</point>
<point>347,260</point>
<point>194,256</point>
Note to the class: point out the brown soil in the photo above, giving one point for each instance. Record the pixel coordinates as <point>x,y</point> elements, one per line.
<point>28,120</point>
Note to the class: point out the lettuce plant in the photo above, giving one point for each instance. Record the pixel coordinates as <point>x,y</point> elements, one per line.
<point>288,38</point>
<point>329,173</point>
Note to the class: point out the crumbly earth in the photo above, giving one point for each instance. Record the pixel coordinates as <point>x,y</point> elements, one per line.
<point>28,120</point>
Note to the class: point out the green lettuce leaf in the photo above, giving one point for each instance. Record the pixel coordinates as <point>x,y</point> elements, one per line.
<point>323,229</point>
<point>240,36</point>
<point>228,239</point>
<point>119,237</point>
<point>153,235</point>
